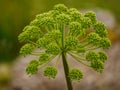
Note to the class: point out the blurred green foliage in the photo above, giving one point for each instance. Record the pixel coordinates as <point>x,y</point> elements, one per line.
<point>15,14</point>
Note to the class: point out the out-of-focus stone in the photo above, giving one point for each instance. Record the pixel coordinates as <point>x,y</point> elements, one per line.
<point>108,80</point>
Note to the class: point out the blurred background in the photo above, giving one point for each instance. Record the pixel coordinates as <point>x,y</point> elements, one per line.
<point>16,14</point>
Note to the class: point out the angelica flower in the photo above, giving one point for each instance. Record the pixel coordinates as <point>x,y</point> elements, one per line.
<point>63,31</point>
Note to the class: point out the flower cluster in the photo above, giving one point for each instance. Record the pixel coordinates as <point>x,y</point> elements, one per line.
<point>64,30</point>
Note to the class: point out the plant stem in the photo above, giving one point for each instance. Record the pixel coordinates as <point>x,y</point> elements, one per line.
<point>66,70</point>
<point>65,63</point>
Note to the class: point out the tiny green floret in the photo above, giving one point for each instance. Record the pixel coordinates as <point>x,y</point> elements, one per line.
<point>63,32</point>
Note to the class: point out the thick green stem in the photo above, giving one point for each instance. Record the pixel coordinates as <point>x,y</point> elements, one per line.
<point>65,64</point>
<point>66,70</point>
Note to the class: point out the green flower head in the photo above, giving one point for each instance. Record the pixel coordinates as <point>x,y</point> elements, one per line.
<point>61,32</point>
<point>32,67</point>
<point>44,58</point>
<point>53,49</point>
<point>92,56</point>
<point>75,74</point>
<point>103,57</point>
<point>91,15</point>
<point>27,49</point>
<point>97,65</point>
<point>50,72</point>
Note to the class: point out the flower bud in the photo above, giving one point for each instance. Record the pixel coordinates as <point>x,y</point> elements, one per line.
<point>71,42</point>
<point>94,39</point>
<point>50,72</point>
<point>54,35</point>
<point>92,56</point>
<point>32,67</point>
<point>91,15</point>
<point>53,48</point>
<point>27,49</point>
<point>103,56</point>
<point>24,37</point>
<point>97,65</point>
<point>36,23</point>
<point>43,15</point>
<point>75,29</point>
<point>42,42</point>
<point>86,23</point>
<point>75,15</point>
<point>105,43</point>
<point>100,29</point>
<point>62,18</point>
<point>44,58</point>
<point>47,22</point>
<point>75,74</point>
<point>60,8</point>
<point>30,33</point>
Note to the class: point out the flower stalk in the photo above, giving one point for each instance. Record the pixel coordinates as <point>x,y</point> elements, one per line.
<point>66,70</point>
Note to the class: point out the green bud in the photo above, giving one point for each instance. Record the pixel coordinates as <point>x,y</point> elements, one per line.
<point>100,29</point>
<point>60,8</point>
<point>97,65</point>
<point>94,39</point>
<point>62,18</point>
<point>44,58</point>
<point>75,74</point>
<point>92,56</point>
<point>30,32</point>
<point>71,42</point>
<point>27,49</point>
<point>32,67</point>
<point>42,42</point>
<point>36,23</point>
<point>75,28</point>
<point>75,15</point>
<point>47,22</point>
<point>26,27</point>
<point>86,23</point>
<point>91,15</point>
<point>50,72</point>
<point>105,43</point>
<point>54,35</point>
<point>24,37</point>
<point>103,56</point>
<point>43,15</point>
<point>53,48</point>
